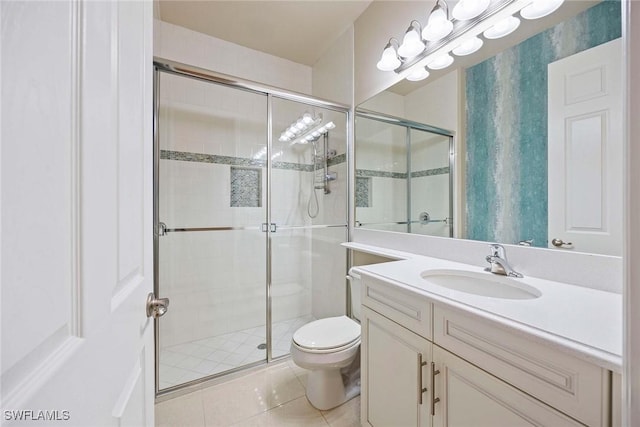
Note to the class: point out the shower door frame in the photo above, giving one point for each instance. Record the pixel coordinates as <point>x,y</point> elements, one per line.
<point>162,65</point>
<point>411,125</point>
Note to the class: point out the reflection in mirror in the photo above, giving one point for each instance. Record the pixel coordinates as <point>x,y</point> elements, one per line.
<point>403,179</point>
<point>537,134</point>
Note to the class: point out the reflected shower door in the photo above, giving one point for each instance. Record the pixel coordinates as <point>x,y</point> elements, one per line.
<point>430,184</point>
<point>309,215</point>
<point>211,247</point>
<point>381,191</point>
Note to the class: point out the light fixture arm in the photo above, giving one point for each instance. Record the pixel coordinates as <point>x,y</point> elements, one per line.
<point>415,25</point>
<point>393,42</point>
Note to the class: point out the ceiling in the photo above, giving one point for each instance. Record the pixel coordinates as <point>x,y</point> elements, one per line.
<point>298,30</point>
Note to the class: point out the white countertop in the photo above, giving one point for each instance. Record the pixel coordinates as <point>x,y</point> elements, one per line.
<point>582,321</point>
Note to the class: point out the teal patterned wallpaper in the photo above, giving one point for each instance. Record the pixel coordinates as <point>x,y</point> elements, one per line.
<point>506,134</point>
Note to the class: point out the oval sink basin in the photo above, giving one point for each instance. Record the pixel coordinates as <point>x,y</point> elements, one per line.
<point>486,285</point>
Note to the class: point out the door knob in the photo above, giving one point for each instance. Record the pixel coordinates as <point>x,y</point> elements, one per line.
<point>156,307</point>
<point>558,243</point>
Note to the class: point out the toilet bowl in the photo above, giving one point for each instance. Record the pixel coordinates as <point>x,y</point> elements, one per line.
<point>330,349</point>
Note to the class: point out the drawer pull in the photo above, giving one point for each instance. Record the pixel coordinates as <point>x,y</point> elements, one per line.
<point>421,389</point>
<point>434,399</point>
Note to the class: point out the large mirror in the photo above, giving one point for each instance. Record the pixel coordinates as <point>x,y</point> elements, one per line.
<point>536,153</point>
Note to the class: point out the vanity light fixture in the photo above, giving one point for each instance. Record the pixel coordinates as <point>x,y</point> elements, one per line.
<point>412,45</point>
<point>502,28</point>
<point>540,8</point>
<point>418,74</point>
<point>438,25</point>
<point>441,61</point>
<point>468,47</point>
<point>389,60</point>
<point>469,9</point>
<point>458,35</point>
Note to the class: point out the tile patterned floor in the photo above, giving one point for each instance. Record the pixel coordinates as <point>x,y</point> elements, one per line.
<point>273,396</point>
<point>197,359</point>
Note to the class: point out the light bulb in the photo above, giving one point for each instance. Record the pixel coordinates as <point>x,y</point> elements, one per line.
<point>418,74</point>
<point>503,28</point>
<point>468,47</point>
<point>300,125</point>
<point>330,125</point>
<point>307,119</point>
<point>412,44</point>
<point>438,26</point>
<point>469,9</point>
<point>540,8</point>
<point>289,134</point>
<point>389,60</point>
<point>440,62</point>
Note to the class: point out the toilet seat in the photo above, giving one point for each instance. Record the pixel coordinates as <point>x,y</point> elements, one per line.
<point>327,335</point>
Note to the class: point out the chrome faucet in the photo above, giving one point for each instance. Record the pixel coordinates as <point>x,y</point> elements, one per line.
<point>498,261</point>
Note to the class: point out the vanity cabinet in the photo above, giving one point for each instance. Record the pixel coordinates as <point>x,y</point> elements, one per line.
<point>395,364</point>
<point>468,396</point>
<point>426,364</point>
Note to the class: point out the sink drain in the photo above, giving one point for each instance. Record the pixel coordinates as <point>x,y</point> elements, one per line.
<point>262,346</point>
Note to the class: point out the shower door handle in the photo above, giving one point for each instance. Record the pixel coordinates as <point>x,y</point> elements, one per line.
<point>272,228</point>
<point>156,307</point>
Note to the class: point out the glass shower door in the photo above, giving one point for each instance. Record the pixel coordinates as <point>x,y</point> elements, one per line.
<point>212,249</point>
<point>309,212</point>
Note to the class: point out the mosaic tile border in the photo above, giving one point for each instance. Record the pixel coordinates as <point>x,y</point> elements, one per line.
<point>368,173</point>
<point>430,172</point>
<point>302,167</point>
<point>241,161</point>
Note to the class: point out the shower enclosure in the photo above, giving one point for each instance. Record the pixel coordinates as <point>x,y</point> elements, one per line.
<point>404,175</point>
<point>250,210</point>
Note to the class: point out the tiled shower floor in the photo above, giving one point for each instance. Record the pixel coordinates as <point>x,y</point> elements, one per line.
<point>197,359</point>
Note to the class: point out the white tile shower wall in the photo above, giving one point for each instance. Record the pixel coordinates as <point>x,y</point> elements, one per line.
<point>329,271</point>
<point>180,44</point>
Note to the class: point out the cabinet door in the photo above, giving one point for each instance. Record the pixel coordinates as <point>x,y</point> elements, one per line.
<point>471,397</point>
<point>393,378</point>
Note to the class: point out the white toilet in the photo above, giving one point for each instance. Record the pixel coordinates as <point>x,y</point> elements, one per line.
<point>329,348</point>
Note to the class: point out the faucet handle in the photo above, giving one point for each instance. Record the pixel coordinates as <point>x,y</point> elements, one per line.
<point>497,250</point>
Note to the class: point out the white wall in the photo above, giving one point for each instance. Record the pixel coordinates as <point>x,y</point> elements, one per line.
<point>437,103</point>
<point>190,47</point>
<point>332,74</point>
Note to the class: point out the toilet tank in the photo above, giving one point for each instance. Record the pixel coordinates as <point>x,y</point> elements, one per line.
<point>356,299</point>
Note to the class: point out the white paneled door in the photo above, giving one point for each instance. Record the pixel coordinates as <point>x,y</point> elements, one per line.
<point>585,151</point>
<point>76,213</point>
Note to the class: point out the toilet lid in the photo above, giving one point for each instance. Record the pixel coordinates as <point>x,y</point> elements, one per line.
<point>328,333</point>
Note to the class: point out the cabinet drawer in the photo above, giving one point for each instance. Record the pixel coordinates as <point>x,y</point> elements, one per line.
<point>402,306</point>
<point>571,385</point>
